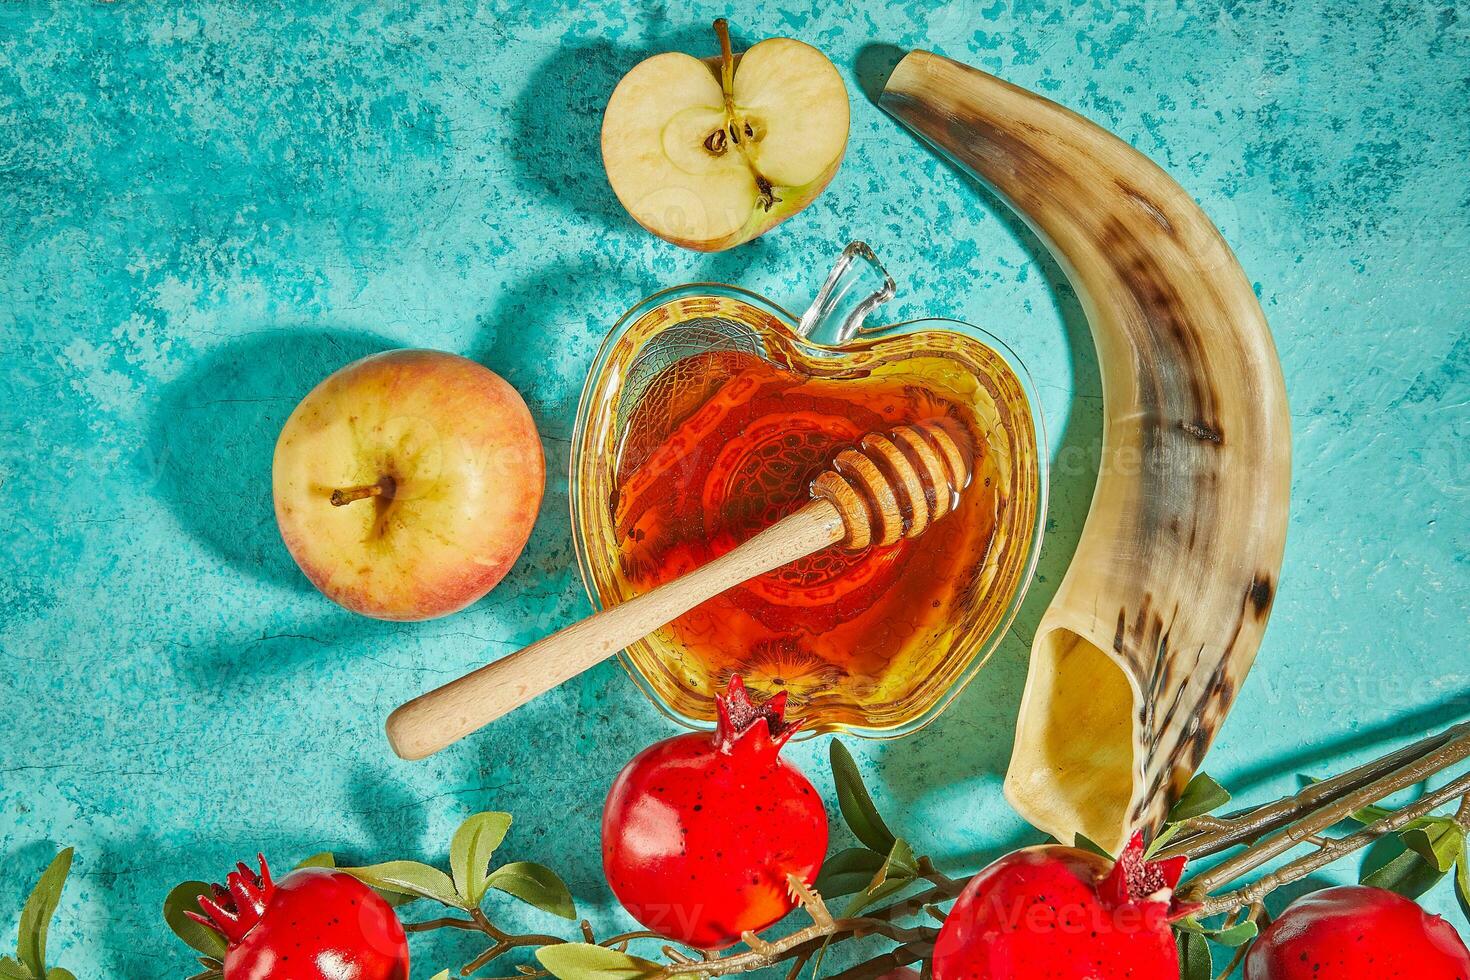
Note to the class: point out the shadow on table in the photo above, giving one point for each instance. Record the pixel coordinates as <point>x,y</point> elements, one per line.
<point>392,824</point>
<point>558,122</point>
<point>214,433</point>
<point>875,63</point>
<point>24,864</point>
<point>1305,761</point>
<point>541,335</point>
<point>978,728</point>
<point>213,438</point>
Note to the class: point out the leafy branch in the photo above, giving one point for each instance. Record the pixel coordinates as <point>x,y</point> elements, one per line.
<point>29,962</point>
<point>463,889</point>
<point>1432,846</point>
<point>890,891</point>
<point>885,865</point>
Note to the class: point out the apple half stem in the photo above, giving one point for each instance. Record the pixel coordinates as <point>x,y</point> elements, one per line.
<point>733,123</point>
<point>727,65</point>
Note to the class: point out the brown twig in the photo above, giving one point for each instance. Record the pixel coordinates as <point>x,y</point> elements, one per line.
<point>485,957</point>
<point>1251,824</point>
<point>447,922</point>
<point>1457,749</point>
<point>1339,847</point>
<point>624,937</point>
<point>931,874</point>
<point>824,928</point>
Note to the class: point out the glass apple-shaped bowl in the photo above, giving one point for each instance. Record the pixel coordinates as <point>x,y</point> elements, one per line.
<point>707,413</point>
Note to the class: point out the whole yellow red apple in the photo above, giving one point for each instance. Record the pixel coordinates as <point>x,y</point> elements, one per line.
<point>406,483</point>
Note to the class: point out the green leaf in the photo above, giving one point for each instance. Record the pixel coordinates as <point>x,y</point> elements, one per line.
<point>898,871</point>
<point>1440,844</point>
<point>185,898</point>
<point>410,878</point>
<point>849,871</point>
<point>326,859</point>
<point>469,855</point>
<point>901,862</point>
<point>1087,844</point>
<point>11,970</point>
<point>1237,935</point>
<point>397,900</point>
<point>874,895</point>
<point>1462,884</point>
<point>583,961</point>
<point>1372,814</point>
<point>1160,842</point>
<point>1195,962</point>
<point>57,973</point>
<point>1201,796</point>
<point>441,975</point>
<point>1408,875</point>
<point>535,884</point>
<point>35,918</point>
<point>856,805</point>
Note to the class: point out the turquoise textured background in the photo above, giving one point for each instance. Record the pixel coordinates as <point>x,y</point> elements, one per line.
<point>205,210</point>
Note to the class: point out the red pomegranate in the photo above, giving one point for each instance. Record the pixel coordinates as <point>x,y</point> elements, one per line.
<point>1355,932</point>
<point>700,832</point>
<point>315,924</point>
<point>1060,913</point>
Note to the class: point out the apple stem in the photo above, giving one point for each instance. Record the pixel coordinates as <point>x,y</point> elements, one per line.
<point>733,124</point>
<point>727,63</point>
<point>346,495</point>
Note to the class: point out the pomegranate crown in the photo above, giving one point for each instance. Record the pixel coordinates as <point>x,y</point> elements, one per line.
<point>236,906</point>
<point>740,720</point>
<point>1137,881</point>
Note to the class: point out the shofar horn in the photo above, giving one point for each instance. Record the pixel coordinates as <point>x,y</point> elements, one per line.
<point>1153,629</point>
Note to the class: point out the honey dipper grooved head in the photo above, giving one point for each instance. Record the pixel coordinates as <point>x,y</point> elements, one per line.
<point>894,486</point>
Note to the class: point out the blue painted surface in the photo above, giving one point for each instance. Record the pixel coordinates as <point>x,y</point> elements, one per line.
<point>204,211</point>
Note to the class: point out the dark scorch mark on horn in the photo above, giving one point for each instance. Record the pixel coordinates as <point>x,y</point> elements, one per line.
<point>1203,431</point>
<point>1260,593</point>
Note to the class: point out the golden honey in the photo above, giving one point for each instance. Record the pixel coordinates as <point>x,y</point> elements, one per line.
<point>721,436</point>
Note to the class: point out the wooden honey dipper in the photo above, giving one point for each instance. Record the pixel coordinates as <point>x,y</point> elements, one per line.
<point>889,487</point>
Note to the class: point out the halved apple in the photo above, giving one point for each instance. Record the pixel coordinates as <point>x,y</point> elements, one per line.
<point>709,154</point>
